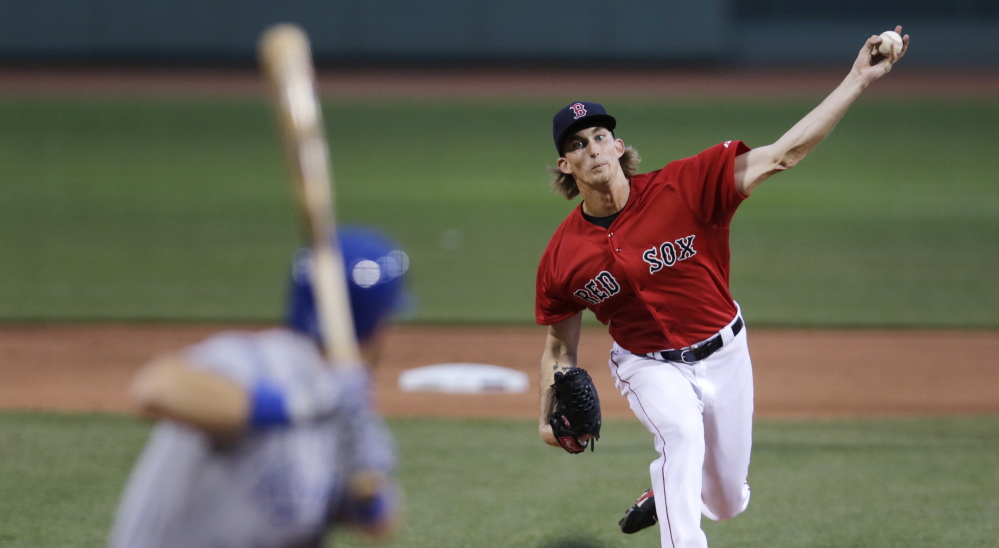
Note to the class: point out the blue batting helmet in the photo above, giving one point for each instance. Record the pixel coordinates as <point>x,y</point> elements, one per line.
<point>375,268</point>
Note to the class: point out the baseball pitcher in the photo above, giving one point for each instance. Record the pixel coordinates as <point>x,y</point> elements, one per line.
<point>649,256</point>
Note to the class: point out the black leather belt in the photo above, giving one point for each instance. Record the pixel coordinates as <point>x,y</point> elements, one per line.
<point>701,350</point>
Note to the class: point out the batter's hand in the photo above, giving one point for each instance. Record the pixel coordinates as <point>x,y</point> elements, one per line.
<point>871,66</point>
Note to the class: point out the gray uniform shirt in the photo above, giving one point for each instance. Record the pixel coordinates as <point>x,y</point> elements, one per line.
<point>274,487</point>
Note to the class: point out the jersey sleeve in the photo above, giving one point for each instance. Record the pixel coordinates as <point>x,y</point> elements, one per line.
<point>552,302</point>
<point>229,354</point>
<point>287,364</point>
<point>707,183</point>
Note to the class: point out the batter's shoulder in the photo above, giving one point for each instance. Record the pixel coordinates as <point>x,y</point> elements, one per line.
<point>243,355</point>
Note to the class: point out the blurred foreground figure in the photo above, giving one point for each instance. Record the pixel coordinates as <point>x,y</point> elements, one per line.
<point>260,442</point>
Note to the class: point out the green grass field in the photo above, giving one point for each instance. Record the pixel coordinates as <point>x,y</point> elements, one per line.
<point>177,209</point>
<point>887,483</point>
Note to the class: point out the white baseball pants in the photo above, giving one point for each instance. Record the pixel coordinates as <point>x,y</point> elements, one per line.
<point>701,416</point>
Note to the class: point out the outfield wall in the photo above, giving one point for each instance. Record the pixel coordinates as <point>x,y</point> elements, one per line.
<point>715,32</point>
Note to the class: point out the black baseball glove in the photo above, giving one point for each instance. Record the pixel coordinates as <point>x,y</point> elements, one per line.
<point>577,410</point>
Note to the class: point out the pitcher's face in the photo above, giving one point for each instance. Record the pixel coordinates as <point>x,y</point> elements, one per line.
<point>592,156</point>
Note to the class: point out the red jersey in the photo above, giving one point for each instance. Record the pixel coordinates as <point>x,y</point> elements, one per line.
<point>658,277</point>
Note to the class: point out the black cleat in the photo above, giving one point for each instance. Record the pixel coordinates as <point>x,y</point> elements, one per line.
<point>641,515</point>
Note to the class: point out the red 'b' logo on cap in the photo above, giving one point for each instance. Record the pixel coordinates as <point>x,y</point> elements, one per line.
<point>578,110</point>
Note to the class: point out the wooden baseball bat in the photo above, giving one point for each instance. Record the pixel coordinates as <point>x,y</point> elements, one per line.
<point>286,60</point>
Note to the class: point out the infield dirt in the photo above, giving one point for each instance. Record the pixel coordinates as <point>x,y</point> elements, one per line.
<point>799,373</point>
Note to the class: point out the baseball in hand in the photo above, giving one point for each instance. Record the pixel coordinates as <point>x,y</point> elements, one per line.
<point>890,38</point>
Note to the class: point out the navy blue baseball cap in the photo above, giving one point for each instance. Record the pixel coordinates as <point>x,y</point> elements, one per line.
<point>577,116</point>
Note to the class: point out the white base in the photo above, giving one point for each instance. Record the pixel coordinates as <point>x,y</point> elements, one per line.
<point>464,378</point>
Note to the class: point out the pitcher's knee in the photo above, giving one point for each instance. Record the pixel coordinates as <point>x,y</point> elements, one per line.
<point>727,513</point>
<point>727,505</point>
